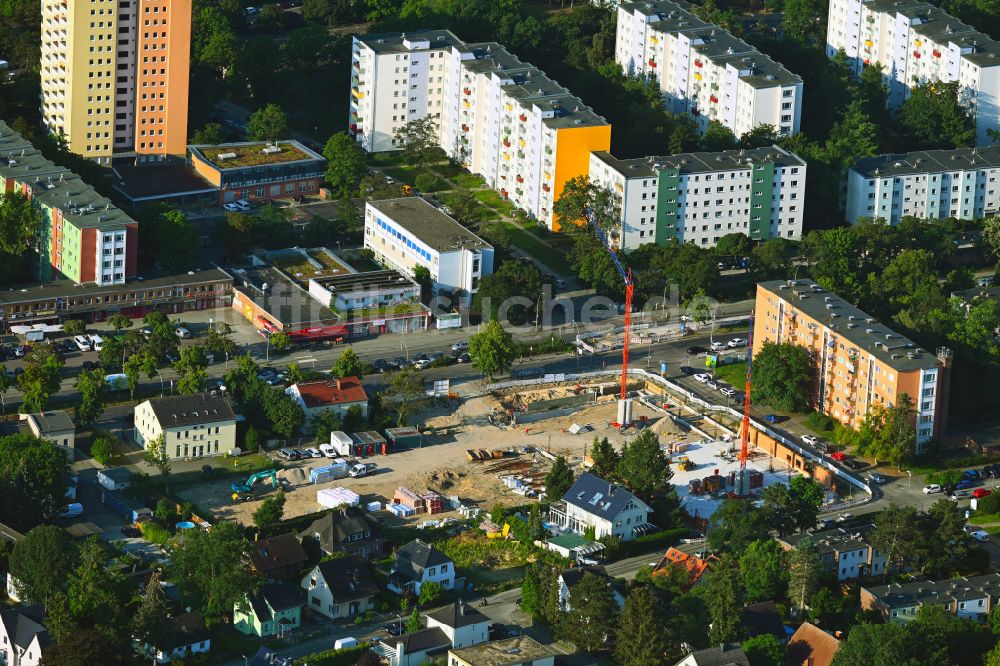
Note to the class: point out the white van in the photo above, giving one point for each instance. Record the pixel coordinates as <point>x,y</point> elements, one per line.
<point>96,342</point>
<point>244,205</point>
<point>72,510</point>
<point>82,342</point>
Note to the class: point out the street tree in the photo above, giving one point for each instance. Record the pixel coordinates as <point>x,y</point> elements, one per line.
<point>724,599</point>
<point>135,366</point>
<point>945,541</point>
<point>762,568</point>
<point>92,389</point>
<point>492,350</point>
<point>781,377</point>
<point>513,290</point>
<point>219,340</point>
<point>119,322</point>
<point>413,623</point>
<point>644,468</point>
<point>33,481</point>
<point>734,245</point>
<point>592,620</point>
<point>212,569</point>
<point>419,139</point>
<point>897,535</point>
<point>558,479</point>
<point>269,513</point>
<point>735,524</point>
<point>156,456</point>
<point>74,327</point>
<point>268,123</point>
<point>805,571</point>
<point>211,134</point>
<point>345,164</point>
<point>41,562</point>
<point>4,385</point>
<point>802,20</point>
<point>40,380</point>
<point>20,223</point>
<point>464,206</point>
<point>606,459</point>
<point>641,639</point>
<point>279,341</point>
<point>348,365</point>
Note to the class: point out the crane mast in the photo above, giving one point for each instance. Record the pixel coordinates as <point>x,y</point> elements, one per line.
<point>742,481</point>
<point>624,406</point>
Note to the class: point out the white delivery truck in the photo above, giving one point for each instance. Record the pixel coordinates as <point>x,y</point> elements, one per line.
<point>362,469</point>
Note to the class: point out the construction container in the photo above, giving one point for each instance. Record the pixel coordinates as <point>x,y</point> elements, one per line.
<point>756,478</point>
<point>402,438</point>
<point>374,443</point>
<point>328,473</point>
<point>341,442</point>
<point>713,483</point>
<point>334,497</point>
<point>373,506</point>
<point>694,486</point>
<point>407,497</point>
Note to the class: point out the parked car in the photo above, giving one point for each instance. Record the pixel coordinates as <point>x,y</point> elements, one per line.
<point>88,365</point>
<point>844,517</point>
<point>931,489</point>
<point>380,365</point>
<point>182,332</point>
<point>314,452</point>
<point>712,385</point>
<point>981,535</point>
<point>727,391</point>
<point>703,378</point>
<point>812,440</point>
<point>981,492</point>
<point>328,450</point>
<point>774,418</point>
<point>460,346</point>
<point>695,350</point>
<point>687,370</point>
<point>19,351</point>
<point>838,456</point>
<point>718,345</point>
<point>971,474</point>
<point>230,208</point>
<point>737,342</point>
<point>266,374</point>
<point>965,483</point>
<point>422,363</point>
<point>463,358</point>
<point>875,477</point>
<point>82,342</point>
<point>960,495</point>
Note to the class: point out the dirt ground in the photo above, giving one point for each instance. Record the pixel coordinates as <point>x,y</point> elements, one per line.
<point>442,465</point>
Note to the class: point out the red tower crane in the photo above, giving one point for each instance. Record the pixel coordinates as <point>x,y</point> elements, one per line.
<point>742,482</point>
<point>626,276</point>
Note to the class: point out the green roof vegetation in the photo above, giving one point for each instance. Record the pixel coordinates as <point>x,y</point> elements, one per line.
<point>298,267</point>
<point>251,154</point>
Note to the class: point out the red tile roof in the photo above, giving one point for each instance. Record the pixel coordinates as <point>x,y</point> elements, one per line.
<point>326,392</point>
<point>695,565</point>
<point>811,646</point>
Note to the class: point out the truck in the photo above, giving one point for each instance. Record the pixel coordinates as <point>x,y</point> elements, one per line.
<point>362,469</point>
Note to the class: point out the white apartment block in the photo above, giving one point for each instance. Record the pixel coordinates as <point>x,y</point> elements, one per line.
<point>409,232</point>
<point>927,184</point>
<point>192,426</point>
<point>915,42</point>
<point>704,71</point>
<point>700,197</point>
<point>501,118</point>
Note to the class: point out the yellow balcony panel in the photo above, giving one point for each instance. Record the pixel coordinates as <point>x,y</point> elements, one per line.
<point>868,42</point>
<point>357,93</point>
<point>697,76</point>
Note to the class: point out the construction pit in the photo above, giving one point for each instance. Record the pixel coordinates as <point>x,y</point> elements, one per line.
<point>497,448</point>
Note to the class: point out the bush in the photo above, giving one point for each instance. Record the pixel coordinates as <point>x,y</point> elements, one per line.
<point>944,478</point>
<point>989,504</point>
<point>653,542</point>
<point>820,422</point>
<point>345,657</point>
<point>426,182</point>
<point>155,533</point>
<point>103,450</point>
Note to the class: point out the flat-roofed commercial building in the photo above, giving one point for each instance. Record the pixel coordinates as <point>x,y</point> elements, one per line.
<point>858,363</point>
<point>929,184</point>
<point>259,170</point>
<point>700,197</point>
<point>408,232</point>
<point>496,115</point>
<point>704,71</point>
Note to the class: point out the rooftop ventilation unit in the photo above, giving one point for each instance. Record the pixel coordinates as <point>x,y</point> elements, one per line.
<point>222,157</point>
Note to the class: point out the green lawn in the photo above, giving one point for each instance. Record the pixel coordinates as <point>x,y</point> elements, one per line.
<point>734,374</point>
<point>985,518</point>
<point>482,213</point>
<point>468,180</point>
<point>493,199</point>
<point>449,170</point>
<point>531,244</point>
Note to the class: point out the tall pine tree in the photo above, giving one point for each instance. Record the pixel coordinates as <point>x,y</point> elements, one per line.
<point>592,618</point>
<point>606,459</point>
<point>724,598</point>
<point>641,639</point>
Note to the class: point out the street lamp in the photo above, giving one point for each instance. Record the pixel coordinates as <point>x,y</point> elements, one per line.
<point>909,478</point>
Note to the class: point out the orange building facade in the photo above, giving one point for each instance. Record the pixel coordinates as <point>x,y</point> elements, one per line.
<point>858,362</point>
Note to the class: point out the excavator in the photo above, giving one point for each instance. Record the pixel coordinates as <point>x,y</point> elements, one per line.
<point>242,488</point>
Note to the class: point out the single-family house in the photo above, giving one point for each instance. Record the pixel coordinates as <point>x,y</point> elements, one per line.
<point>278,556</point>
<point>349,530</point>
<point>726,654</point>
<point>570,578</point>
<point>971,598</point>
<point>675,559</point>
<point>845,553</point>
<point>192,426</point>
<point>55,426</point>
<point>811,646</point>
<point>23,636</point>
<point>267,657</point>
<point>602,505</point>
<point>188,635</point>
<point>417,563</point>
<point>462,624</point>
<point>518,651</point>
<point>328,395</point>
<point>114,478</point>
<point>763,618</point>
<point>273,611</point>
<point>340,588</point>
<point>413,649</point>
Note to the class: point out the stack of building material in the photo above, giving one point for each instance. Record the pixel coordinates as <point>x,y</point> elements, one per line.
<point>714,483</point>
<point>328,473</point>
<point>469,511</point>
<point>433,502</point>
<point>756,478</point>
<point>409,498</point>
<point>694,487</point>
<point>334,497</point>
<point>374,506</point>
<point>401,510</point>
